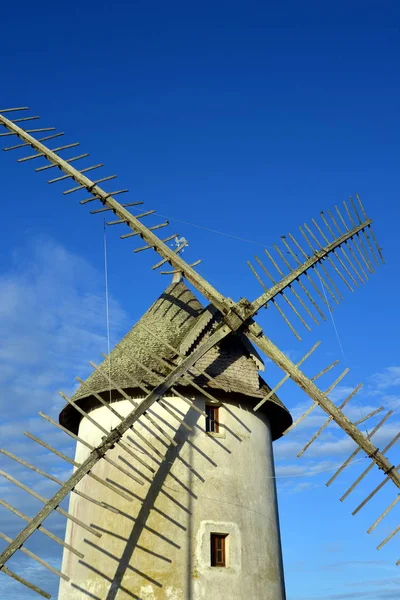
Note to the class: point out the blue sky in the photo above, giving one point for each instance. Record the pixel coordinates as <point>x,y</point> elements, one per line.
<point>242,118</point>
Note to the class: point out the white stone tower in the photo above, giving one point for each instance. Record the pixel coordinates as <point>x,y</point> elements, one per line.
<point>205,523</point>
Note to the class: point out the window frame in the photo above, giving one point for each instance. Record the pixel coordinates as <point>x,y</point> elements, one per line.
<point>212,425</point>
<point>215,539</point>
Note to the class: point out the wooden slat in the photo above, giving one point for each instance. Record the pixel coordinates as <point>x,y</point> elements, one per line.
<point>296,295</point>
<point>343,251</point>
<point>284,317</point>
<point>364,232</point>
<point>325,370</point>
<point>122,221</point>
<point>334,253</point>
<point>89,446</point>
<point>303,287</point>
<point>154,227</point>
<point>193,264</point>
<point>170,367</point>
<point>40,154</point>
<point>24,582</point>
<point>347,244</point>
<point>63,177</point>
<point>135,383</point>
<point>76,464</point>
<point>84,187</point>
<point>358,449</point>
<point>102,429</point>
<point>368,469</point>
<point>165,260</point>
<point>7,110</point>
<point>354,240</point>
<point>388,538</point>
<point>327,275</point>
<point>45,531</point>
<point>167,239</point>
<point>37,558</point>
<point>25,144</point>
<point>369,415</point>
<point>134,404</point>
<point>379,249</point>
<point>95,197</point>
<point>282,381</point>
<point>35,118</point>
<point>383,515</point>
<point>318,257</point>
<point>58,481</point>
<point>160,402</point>
<point>314,406</point>
<point>329,420</point>
<point>360,239</point>
<point>106,209</point>
<point>27,131</point>
<point>121,418</point>
<point>45,501</point>
<point>288,302</point>
<point>84,413</point>
<point>372,494</point>
<point>316,288</point>
<point>309,231</point>
<point>67,161</point>
<point>314,268</point>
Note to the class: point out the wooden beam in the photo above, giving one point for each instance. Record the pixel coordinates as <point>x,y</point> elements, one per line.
<point>222,303</point>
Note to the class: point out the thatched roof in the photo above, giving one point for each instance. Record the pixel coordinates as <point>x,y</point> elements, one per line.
<point>177,322</point>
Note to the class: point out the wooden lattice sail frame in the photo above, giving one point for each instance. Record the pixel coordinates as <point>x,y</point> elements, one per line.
<point>352,255</point>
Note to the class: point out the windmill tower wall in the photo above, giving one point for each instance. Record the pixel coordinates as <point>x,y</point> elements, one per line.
<point>204,524</point>
<point>208,484</point>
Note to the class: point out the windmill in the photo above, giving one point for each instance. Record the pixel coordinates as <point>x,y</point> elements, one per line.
<point>339,251</point>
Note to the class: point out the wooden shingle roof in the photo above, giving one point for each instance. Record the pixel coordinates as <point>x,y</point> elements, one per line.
<point>178,321</point>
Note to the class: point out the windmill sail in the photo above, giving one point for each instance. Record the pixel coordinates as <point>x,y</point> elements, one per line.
<point>348,259</point>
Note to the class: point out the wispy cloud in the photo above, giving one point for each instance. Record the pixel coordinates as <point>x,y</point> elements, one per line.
<point>350,564</point>
<point>367,594</point>
<point>385,379</point>
<point>375,582</point>
<point>52,321</point>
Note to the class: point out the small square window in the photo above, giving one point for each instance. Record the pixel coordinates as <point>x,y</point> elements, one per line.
<point>212,418</point>
<point>218,549</point>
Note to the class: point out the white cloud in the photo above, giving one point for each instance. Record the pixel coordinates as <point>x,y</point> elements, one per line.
<point>52,322</point>
<point>388,378</point>
<point>306,468</point>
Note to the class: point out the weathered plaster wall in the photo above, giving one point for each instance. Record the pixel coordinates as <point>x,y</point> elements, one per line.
<point>158,546</point>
